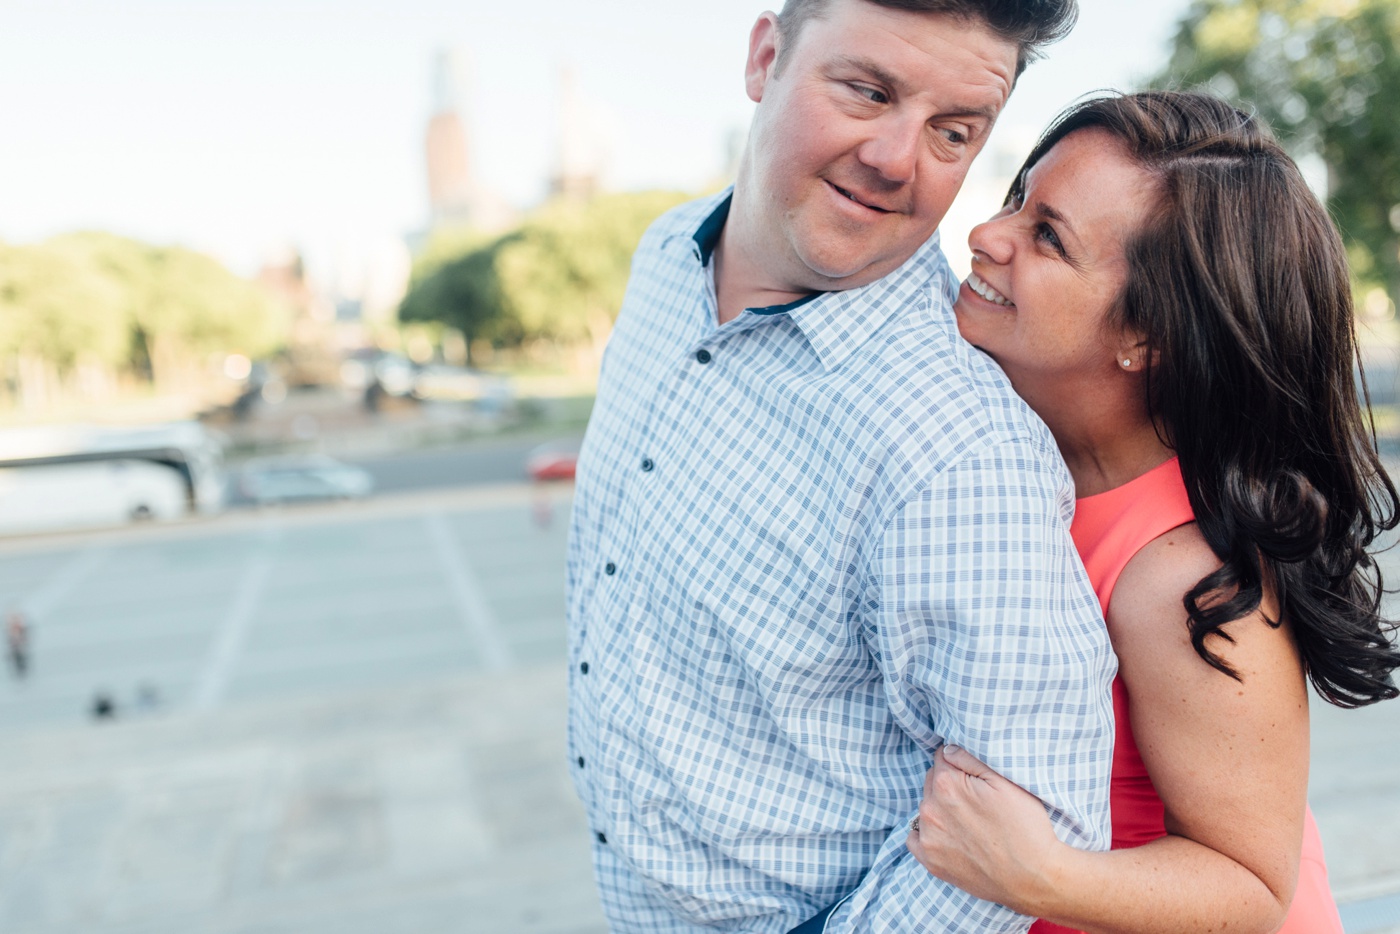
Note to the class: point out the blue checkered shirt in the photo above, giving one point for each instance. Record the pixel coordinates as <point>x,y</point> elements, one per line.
<point>808,547</point>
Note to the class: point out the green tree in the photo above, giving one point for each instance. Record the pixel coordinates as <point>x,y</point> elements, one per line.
<point>1326,76</point>
<point>175,305</point>
<point>196,307</point>
<point>464,293</point>
<point>53,307</point>
<point>565,273</point>
<point>560,276</point>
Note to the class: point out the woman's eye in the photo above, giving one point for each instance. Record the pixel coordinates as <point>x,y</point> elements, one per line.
<point>1046,233</point>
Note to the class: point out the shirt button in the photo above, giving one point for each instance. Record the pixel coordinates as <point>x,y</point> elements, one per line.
<point>583,667</point>
<point>602,837</point>
<point>702,356</point>
<point>647,465</point>
<point>610,569</point>
<point>580,761</point>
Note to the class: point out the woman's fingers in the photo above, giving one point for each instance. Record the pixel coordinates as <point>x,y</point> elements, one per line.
<point>977,829</point>
<point>964,761</point>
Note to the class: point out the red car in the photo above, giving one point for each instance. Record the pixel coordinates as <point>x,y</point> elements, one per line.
<point>555,460</point>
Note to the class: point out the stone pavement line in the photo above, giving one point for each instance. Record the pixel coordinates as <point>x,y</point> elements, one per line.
<point>475,614</point>
<point>63,581</point>
<point>228,645</point>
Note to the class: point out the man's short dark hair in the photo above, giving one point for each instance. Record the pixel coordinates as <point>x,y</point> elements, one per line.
<point>1031,24</point>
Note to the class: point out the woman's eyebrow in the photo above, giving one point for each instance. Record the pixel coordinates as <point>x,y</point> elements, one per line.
<point>1045,210</point>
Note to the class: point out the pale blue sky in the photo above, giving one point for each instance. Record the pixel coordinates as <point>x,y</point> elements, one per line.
<point>239,126</point>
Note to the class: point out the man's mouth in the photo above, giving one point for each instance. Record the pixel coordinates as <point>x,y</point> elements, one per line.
<point>864,204</point>
<point>975,283</point>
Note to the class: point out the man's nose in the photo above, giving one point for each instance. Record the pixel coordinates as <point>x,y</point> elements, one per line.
<point>893,149</point>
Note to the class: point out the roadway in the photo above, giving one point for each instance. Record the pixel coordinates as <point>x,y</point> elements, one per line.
<point>489,461</point>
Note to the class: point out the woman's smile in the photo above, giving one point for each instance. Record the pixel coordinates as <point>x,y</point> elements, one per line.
<point>976,284</point>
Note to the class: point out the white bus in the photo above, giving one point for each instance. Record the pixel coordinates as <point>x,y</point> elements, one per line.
<point>73,476</point>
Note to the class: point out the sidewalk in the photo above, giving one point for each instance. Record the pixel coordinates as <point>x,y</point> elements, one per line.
<point>437,808</point>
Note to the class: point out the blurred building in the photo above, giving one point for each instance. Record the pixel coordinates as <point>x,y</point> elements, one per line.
<point>455,196</point>
<point>445,145</point>
<point>578,161</point>
<point>311,353</point>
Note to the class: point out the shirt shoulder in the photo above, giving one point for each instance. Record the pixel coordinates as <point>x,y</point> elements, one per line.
<point>683,220</point>
<point>948,401</point>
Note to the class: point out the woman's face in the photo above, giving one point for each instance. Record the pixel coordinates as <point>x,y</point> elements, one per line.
<point>1047,269</point>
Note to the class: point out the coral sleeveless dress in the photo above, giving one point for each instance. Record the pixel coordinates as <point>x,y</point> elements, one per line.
<point>1108,530</point>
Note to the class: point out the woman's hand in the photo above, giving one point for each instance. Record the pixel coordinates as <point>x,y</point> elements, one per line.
<point>984,834</point>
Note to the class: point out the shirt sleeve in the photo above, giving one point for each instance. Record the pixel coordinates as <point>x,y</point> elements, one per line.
<point>989,636</point>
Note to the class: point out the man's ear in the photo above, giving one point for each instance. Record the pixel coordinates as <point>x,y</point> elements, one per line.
<point>763,55</point>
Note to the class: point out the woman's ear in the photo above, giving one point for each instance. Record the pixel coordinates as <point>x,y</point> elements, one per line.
<point>1133,354</point>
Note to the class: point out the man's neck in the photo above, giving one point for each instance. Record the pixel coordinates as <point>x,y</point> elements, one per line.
<point>739,282</point>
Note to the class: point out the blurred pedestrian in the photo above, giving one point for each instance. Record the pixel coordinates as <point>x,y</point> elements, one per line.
<point>17,640</point>
<point>103,707</point>
<point>542,507</point>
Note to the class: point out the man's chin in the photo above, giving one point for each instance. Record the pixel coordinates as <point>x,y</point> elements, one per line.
<point>829,276</point>
<point>850,265</point>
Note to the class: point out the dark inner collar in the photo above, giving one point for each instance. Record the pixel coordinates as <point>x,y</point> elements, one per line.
<point>707,238</point>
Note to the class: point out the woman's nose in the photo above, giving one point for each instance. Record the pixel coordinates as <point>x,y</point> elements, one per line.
<point>991,240</point>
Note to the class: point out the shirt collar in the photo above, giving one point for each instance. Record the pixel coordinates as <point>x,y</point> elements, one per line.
<point>707,234</point>
<point>837,323</point>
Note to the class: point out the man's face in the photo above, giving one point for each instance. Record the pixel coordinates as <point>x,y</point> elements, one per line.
<point>862,139</point>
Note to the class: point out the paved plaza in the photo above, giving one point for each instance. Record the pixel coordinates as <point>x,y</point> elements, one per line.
<point>350,718</point>
<point>358,725</point>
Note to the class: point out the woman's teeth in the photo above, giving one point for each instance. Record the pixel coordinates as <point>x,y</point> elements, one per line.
<point>987,292</point>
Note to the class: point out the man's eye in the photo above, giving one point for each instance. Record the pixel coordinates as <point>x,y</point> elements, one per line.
<point>953,135</point>
<point>874,95</point>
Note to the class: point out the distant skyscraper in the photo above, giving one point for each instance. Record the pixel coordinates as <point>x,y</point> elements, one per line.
<point>578,160</point>
<point>451,191</point>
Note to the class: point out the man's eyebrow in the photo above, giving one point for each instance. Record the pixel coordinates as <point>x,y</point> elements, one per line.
<point>874,70</point>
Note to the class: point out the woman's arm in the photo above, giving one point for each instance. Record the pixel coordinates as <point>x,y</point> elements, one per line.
<point>1228,758</point>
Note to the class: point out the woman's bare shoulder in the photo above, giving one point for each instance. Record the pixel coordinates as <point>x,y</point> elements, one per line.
<point>1156,580</point>
<point>1148,621</point>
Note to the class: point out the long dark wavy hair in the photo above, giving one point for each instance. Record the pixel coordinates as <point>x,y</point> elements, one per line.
<point>1239,284</point>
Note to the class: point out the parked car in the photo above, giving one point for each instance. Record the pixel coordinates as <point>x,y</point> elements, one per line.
<point>553,460</point>
<point>309,477</point>
<point>442,383</point>
<point>84,495</point>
